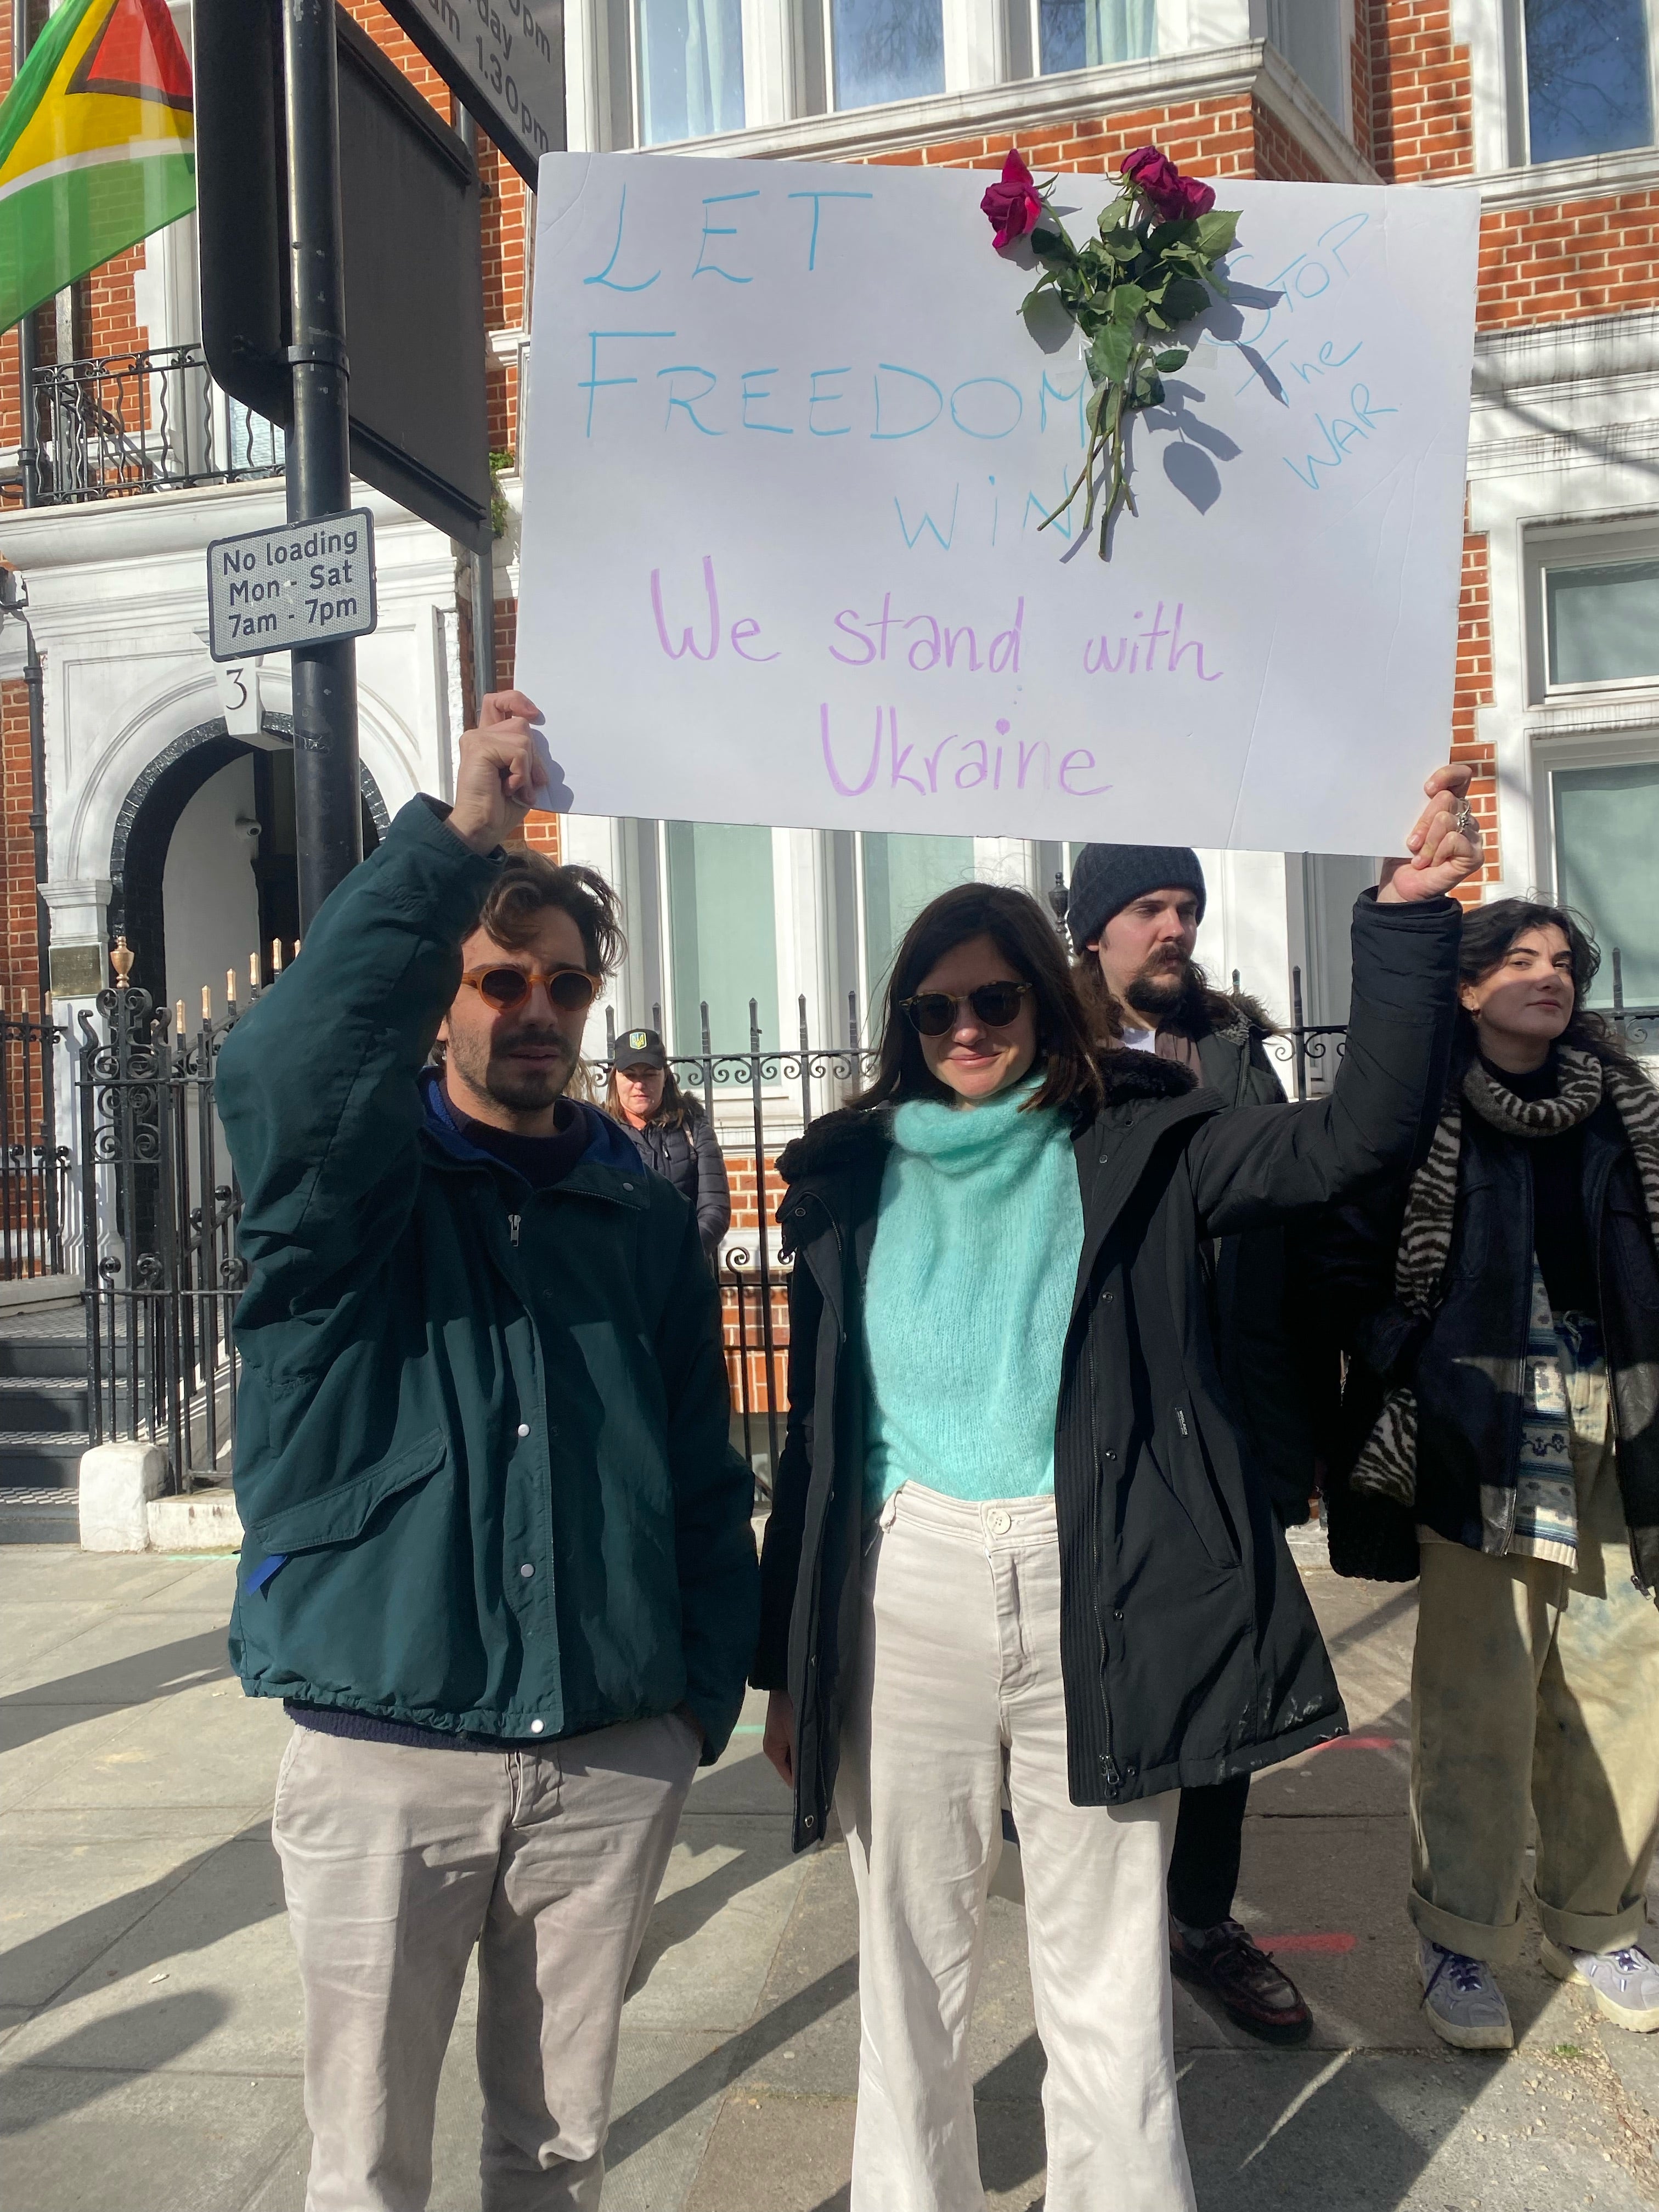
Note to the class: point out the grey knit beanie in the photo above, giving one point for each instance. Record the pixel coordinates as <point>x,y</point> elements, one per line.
<point>1105,877</point>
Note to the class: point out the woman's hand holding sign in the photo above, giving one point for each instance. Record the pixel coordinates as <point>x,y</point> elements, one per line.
<point>1444,847</point>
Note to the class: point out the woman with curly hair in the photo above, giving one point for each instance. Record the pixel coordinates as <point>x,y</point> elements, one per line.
<point>1501,1313</point>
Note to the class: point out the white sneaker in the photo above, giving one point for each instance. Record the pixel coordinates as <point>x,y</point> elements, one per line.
<point>1464,2004</point>
<point>1624,1982</point>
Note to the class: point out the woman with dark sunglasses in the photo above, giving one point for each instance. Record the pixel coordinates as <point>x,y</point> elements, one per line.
<point>1012,1539</point>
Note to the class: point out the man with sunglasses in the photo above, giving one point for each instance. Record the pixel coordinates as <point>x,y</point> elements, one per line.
<point>499,1564</point>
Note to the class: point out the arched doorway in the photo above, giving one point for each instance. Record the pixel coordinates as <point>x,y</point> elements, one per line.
<point>202,860</point>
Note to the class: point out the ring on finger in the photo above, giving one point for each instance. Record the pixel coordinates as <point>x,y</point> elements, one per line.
<point>1464,820</point>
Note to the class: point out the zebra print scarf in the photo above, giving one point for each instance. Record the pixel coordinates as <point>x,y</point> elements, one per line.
<point>1387,1465</point>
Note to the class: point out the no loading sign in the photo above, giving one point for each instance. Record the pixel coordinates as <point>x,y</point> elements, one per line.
<point>307,583</point>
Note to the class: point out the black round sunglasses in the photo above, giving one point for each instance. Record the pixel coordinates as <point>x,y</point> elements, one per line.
<point>931,1013</point>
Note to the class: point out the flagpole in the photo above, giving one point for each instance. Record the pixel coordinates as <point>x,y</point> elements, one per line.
<point>28,456</point>
<point>327,801</point>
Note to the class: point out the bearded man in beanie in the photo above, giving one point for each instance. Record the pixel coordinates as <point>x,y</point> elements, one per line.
<point>1133,913</point>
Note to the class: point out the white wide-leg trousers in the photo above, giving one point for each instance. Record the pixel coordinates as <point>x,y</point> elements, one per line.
<point>958,1679</point>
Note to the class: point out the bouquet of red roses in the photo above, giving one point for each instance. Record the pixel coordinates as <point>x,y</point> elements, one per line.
<point>1151,269</point>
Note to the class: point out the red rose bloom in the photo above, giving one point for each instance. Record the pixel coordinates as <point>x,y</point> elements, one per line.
<point>1171,197</point>
<point>1012,206</point>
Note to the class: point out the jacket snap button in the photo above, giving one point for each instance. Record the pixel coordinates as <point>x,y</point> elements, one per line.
<point>526,1570</point>
<point>809,1823</point>
<point>523,1428</point>
<point>1116,1616</point>
<point>536,1728</point>
<point>627,1186</point>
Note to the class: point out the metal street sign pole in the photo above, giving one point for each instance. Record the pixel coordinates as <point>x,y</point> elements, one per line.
<point>327,804</point>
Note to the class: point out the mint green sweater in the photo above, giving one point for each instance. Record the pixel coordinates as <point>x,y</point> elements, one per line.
<point>968,1297</point>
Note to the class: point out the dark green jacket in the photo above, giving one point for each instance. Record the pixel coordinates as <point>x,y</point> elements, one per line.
<point>482,1429</point>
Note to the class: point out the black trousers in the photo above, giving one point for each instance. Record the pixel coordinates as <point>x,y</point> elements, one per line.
<point>1204,1864</point>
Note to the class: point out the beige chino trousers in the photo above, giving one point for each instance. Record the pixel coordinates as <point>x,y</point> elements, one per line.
<point>397,1862</point>
<point>1535,1690</point>
<point>957,1680</point>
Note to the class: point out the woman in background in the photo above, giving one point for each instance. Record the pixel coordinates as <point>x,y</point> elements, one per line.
<point>675,1136</point>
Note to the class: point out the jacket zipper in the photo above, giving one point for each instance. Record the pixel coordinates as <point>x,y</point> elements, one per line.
<point>513,1220</point>
<point>1181,1418</point>
<point>1109,1764</point>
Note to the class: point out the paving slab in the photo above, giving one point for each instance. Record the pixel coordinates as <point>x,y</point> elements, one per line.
<point>1398,2133</point>
<point>725,1899</point>
<point>65,1904</point>
<point>36,1574</point>
<point>219,1938</point>
<point>204,1745</point>
<point>127,1657</point>
<point>87,2139</point>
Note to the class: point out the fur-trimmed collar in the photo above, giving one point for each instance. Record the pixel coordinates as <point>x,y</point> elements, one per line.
<point>850,1135</point>
<point>1200,1012</point>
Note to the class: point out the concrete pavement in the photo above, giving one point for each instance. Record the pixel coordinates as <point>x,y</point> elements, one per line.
<point>149,2008</point>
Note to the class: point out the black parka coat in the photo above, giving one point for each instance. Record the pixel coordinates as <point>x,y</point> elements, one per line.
<point>689,1158</point>
<point>1188,1650</point>
<point>1283,1398</point>
<point>1467,1363</point>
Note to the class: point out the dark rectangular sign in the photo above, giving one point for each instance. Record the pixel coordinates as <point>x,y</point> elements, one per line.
<point>409,209</point>
<point>504,61</point>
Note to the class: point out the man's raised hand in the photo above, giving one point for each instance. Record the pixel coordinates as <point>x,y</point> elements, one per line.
<point>504,770</point>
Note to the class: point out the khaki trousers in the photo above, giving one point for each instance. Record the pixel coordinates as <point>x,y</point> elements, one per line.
<point>957,1678</point>
<point>396,1862</point>
<point>1535,1689</point>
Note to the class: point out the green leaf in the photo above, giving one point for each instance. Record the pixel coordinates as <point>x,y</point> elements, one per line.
<point>1145,393</point>
<point>1176,358</point>
<point>1183,297</point>
<point>1216,232</point>
<point>1116,216</point>
<point>1049,240</point>
<point>1110,354</point>
<point>1128,300</point>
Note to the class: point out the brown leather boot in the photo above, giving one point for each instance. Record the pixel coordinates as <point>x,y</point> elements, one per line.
<point>1254,1994</point>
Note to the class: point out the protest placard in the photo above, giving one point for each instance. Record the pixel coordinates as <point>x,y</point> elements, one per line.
<point>789,445</point>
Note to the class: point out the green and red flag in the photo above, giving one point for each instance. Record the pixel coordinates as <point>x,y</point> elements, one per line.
<point>97,146</point>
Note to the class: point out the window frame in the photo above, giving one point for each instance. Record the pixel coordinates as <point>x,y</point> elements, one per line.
<point>1518,107</point>
<point>1554,755</point>
<point>1601,545</point>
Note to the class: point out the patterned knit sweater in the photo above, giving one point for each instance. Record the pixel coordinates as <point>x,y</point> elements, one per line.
<point>967,1296</point>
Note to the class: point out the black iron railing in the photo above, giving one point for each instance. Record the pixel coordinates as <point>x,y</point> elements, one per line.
<point>782,1090</point>
<point>134,422</point>
<point>33,1166</point>
<point>162,1274</point>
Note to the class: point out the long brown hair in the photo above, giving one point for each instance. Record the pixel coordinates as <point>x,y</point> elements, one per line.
<point>1025,937</point>
<point>1488,933</point>
<point>675,1111</point>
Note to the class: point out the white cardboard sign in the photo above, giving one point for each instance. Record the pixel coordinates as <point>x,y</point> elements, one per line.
<point>789,444</point>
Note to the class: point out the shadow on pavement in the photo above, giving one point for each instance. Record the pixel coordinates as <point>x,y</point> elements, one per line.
<point>142,1680</point>
<point>653,2115</point>
<point>59,2081</point>
<point>84,1939</point>
<point>675,1920</point>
